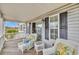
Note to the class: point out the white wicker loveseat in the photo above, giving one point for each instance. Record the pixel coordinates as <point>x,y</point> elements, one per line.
<point>63,47</point>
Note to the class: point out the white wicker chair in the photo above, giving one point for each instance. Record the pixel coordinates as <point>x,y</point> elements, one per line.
<point>22,46</point>
<point>39,46</point>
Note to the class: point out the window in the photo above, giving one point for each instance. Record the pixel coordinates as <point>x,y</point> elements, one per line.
<point>22,27</point>
<point>53,27</point>
<point>39,30</point>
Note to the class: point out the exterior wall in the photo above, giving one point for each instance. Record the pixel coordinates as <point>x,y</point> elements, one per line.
<point>73,24</point>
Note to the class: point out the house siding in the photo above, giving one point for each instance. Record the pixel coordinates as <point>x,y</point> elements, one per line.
<point>73,24</point>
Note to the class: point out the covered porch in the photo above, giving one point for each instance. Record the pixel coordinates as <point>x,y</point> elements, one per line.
<point>50,22</point>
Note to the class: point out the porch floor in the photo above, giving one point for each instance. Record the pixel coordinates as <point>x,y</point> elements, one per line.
<point>11,48</point>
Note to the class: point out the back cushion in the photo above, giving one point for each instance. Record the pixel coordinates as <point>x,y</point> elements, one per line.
<point>32,37</point>
<point>65,47</point>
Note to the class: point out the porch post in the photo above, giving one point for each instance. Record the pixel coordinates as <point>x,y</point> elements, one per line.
<point>2,38</point>
<point>43,29</point>
<point>1,24</point>
<point>30,28</point>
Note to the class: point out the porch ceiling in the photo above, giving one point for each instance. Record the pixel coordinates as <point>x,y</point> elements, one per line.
<point>26,11</point>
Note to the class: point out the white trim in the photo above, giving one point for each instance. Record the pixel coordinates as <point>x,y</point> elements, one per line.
<point>58,25</point>
<point>31,28</point>
<point>54,15</point>
<point>43,30</point>
<point>49,27</point>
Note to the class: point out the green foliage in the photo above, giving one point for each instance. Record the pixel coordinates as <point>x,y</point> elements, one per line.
<point>12,31</point>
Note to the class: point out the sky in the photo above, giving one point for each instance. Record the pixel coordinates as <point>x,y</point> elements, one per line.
<point>10,24</point>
